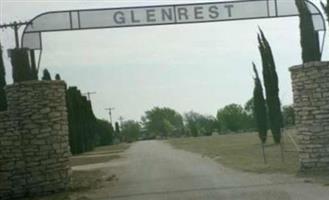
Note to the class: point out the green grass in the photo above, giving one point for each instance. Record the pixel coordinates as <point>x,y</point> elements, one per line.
<point>243,152</point>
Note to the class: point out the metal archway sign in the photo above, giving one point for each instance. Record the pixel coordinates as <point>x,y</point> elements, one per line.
<point>71,20</point>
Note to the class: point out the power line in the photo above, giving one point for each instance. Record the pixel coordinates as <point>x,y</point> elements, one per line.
<point>15,26</point>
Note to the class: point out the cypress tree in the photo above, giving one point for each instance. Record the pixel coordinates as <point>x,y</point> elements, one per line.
<point>117,127</point>
<point>57,77</point>
<point>3,101</point>
<point>46,75</point>
<point>309,37</point>
<point>271,84</point>
<point>71,119</point>
<point>117,130</point>
<point>85,131</point>
<point>260,112</point>
<point>21,65</point>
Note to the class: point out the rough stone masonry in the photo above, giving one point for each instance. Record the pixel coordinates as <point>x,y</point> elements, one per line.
<point>34,146</point>
<point>310,84</point>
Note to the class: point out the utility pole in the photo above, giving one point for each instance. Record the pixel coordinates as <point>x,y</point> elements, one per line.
<point>110,113</point>
<point>15,26</point>
<point>89,95</point>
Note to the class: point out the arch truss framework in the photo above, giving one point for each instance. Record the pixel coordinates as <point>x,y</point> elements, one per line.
<point>71,20</point>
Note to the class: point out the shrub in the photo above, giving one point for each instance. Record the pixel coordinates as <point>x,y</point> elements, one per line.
<point>46,75</point>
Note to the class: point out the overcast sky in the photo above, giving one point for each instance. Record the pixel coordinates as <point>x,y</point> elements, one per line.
<point>200,67</point>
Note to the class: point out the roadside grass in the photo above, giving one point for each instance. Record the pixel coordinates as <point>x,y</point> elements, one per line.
<point>243,152</point>
<point>99,155</point>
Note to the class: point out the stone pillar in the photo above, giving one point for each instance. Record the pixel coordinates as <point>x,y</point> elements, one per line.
<point>12,171</point>
<point>310,83</point>
<point>36,135</point>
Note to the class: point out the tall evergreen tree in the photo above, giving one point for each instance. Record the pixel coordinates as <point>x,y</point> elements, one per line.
<point>85,130</point>
<point>117,127</point>
<point>117,131</point>
<point>309,37</point>
<point>271,84</point>
<point>46,75</point>
<point>21,65</point>
<point>259,107</point>
<point>3,101</point>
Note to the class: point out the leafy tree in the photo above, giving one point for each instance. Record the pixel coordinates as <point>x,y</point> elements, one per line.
<point>259,107</point>
<point>163,122</point>
<point>3,100</point>
<point>309,37</point>
<point>249,106</point>
<point>233,118</point>
<point>131,130</point>
<point>198,124</point>
<point>58,77</point>
<point>21,65</point>
<point>271,84</point>
<point>46,75</point>
<point>249,109</point>
<point>288,113</point>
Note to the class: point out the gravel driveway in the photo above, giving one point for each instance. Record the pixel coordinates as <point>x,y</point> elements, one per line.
<point>153,170</point>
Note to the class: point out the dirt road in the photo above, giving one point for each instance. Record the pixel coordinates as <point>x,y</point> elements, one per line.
<point>154,170</point>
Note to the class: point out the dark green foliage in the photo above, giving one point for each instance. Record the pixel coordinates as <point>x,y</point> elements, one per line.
<point>271,84</point>
<point>21,65</point>
<point>309,37</point>
<point>198,124</point>
<point>249,109</point>
<point>3,101</point>
<point>34,69</point>
<point>288,113</point>
<point>117,131</point>
<point>163,122</point>
<point>104,132</point>
<point>85,131</point>
<point>46,75</point>
<point>131,131</point>
<point>58,77</point>
<point>233,118</point>
<point>249,106</point>
<point>259,108</point>
<point>117,127</point>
